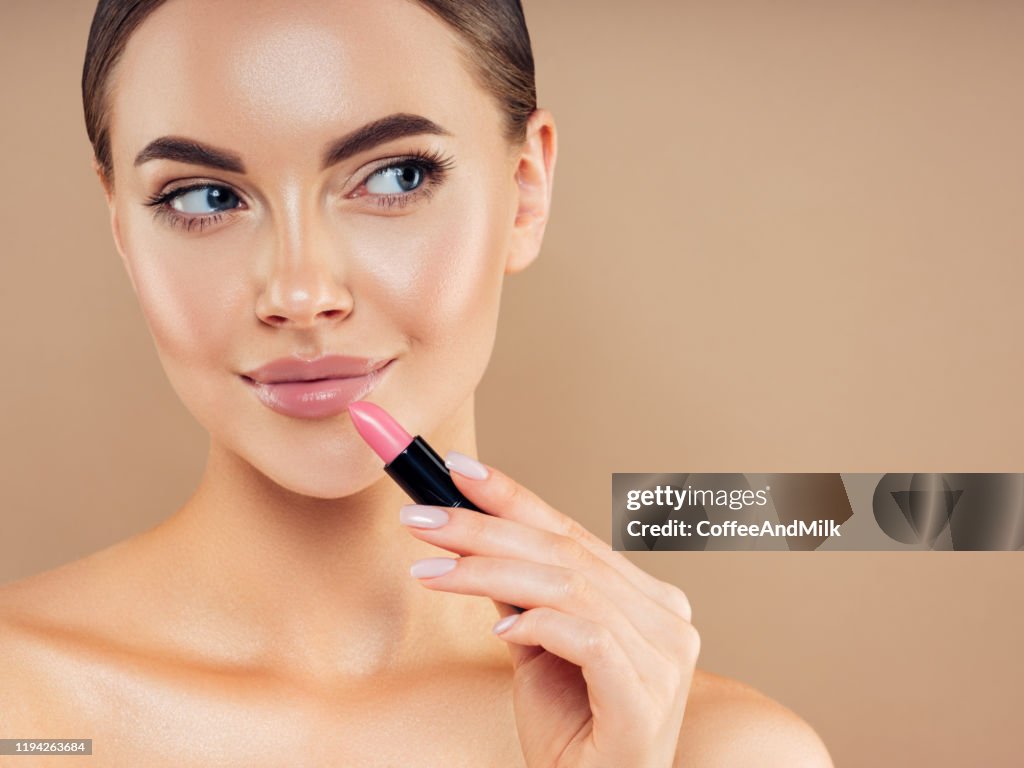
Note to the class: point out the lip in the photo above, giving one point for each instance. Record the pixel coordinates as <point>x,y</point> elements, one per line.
<point>315,389</point>
<point>286,369</point>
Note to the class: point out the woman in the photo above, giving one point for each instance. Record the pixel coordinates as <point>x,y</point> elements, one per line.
<point>347,183</point>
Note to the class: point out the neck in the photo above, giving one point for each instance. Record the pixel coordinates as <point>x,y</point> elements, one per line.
<point>320,587</point>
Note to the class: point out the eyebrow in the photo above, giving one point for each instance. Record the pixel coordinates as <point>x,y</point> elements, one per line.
<point>396,126</point>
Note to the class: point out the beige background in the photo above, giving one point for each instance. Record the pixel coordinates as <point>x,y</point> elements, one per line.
<point>787,236</point>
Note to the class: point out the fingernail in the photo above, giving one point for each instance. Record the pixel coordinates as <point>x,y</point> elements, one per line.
<point>423,516</point>
<point>432,566</point>
<point>461,463</point>
<point>505,623</point>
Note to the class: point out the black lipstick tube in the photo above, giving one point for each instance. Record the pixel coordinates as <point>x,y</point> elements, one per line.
<point>422,474</point>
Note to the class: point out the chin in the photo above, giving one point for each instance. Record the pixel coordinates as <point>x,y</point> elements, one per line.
<point>323,479</point>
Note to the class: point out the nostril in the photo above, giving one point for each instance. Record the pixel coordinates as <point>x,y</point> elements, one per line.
<point>284,320</point>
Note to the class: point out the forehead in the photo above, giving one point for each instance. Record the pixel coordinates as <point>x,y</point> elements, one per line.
<point>287,73</point>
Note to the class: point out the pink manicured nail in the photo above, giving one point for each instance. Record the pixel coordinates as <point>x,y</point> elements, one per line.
<point>423,516</point>
<point>432,566</point>
<point>505,623</point>
<point>461,463</point>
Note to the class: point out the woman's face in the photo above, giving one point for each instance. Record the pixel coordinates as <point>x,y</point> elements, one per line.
<point>375,255</point>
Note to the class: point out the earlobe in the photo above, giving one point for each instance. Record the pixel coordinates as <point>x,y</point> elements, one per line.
<point>535,173</point>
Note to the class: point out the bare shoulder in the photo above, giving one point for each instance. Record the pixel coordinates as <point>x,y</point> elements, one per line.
<point>728,723</point>
<point>25,649</point>
<point>51,628</point>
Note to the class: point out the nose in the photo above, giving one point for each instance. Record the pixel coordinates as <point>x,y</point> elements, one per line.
<point>304,285</point>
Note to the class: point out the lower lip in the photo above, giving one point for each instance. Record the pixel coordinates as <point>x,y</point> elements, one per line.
<point>315,399</point>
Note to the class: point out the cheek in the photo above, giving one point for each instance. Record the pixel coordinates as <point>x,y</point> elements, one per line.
<point>442,269</point>
<point>189,293</point>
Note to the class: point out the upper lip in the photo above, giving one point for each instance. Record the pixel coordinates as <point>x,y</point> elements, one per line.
<point>327,367</point>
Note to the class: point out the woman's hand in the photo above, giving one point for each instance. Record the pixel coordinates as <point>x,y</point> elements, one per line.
<point>603,653</point>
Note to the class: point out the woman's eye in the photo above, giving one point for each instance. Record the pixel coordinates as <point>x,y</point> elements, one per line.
<point>395,179</point>
<point>200,200</point>
<point>405,180</point>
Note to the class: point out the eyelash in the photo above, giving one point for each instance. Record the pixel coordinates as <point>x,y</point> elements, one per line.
<point>434,166</point>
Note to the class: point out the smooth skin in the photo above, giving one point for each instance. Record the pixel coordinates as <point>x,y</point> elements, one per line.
<point>272,619</point>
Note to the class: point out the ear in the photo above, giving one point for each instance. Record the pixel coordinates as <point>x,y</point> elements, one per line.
<point>115,227</point>
<point>535,177</point>
<point>104,182</point>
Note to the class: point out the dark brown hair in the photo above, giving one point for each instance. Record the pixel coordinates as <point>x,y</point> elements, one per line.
<point>495,44</point>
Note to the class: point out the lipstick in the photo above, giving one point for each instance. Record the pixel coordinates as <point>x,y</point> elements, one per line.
<point>408,460</point>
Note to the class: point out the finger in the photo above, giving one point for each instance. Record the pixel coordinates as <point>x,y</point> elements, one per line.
<point>531,585</point>
<point>466,531</point>
<point>520,653</point>
<point>613,685</point>
<point>499,495</point>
